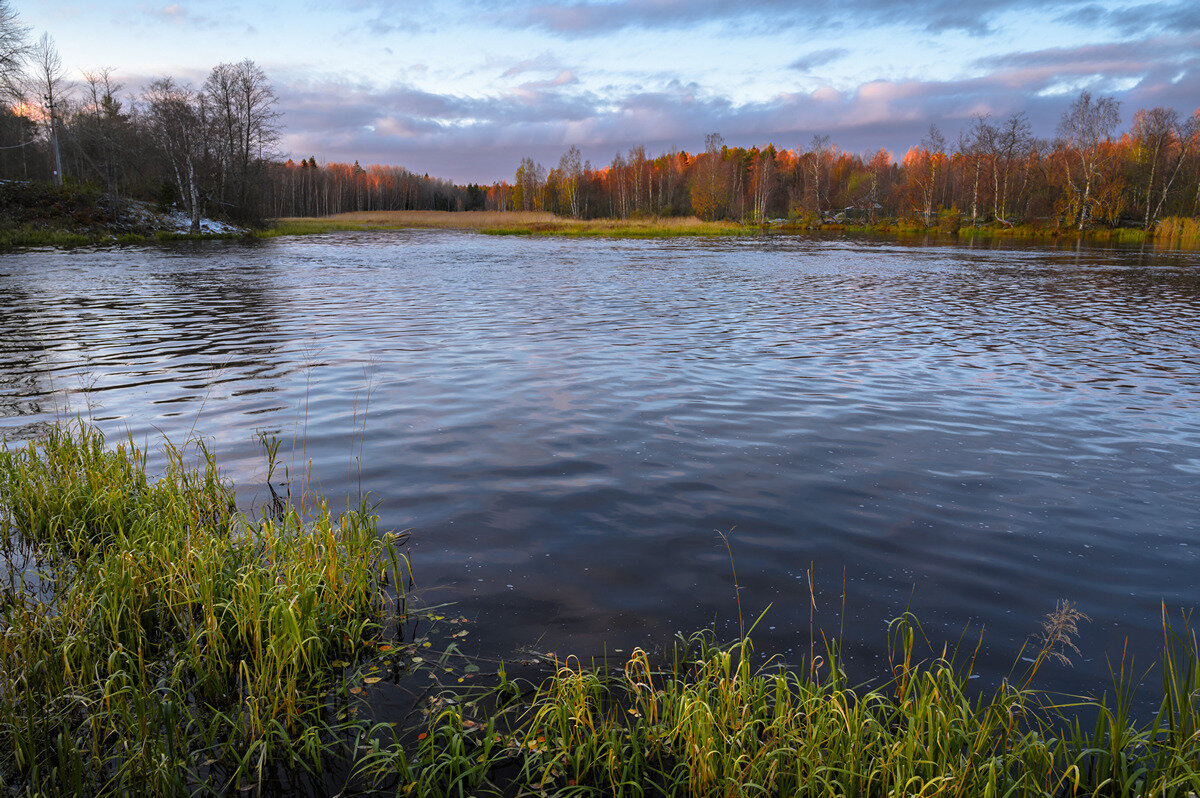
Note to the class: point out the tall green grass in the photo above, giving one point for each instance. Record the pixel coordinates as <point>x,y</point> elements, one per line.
<point>155,641</point>
<point>719,720</point>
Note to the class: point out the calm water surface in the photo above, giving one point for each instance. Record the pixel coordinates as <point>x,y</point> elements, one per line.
<point>969,432</point>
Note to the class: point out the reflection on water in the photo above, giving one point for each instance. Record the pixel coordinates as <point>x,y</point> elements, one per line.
<point>972,432</point>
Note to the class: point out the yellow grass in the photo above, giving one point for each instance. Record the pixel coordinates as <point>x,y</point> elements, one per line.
<point>508,223</point>
<point>471,220</point>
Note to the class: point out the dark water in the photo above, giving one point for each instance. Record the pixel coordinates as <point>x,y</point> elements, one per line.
<point>969,432</point>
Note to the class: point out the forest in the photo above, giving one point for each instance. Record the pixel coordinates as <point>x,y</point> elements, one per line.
<point>1093,173</point>
<point>996,171</point>
<point>213,150</point>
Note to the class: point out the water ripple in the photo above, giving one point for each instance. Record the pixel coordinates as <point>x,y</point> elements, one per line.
<point>971,432</point>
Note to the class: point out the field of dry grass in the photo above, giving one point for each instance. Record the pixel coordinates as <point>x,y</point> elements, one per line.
<point>508,223</point>
<point>469,220</point>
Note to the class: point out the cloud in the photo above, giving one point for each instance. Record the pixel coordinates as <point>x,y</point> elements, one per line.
<point>177,14</point>
<point>593,17</point>
<point>482,138</point>
<point>545,62</point>
<point>1178,16</point>
<point>810,61</point>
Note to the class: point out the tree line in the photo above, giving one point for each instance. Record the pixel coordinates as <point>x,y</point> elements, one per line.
<point>212,150</point>
<point>997,171</point>
<point>208,150</point>
<point>200,149</point>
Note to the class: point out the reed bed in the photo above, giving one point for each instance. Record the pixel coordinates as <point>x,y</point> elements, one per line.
<point>156,641</point>
<point>1178,231</point>
<point>707,721</point>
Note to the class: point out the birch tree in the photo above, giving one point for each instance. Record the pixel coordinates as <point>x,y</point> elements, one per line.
<point>1086,128</point>
<point>177,119</point>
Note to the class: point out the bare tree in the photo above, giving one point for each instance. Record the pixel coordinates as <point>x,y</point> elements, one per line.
<point>923,166</point>
<point>975,145</point>
<point>243,104</point>
<point>1012,142</point>
<point>1086,128</point>
<point>14,49</point>
<point>104,118</point>
<point>570,171</point>
<point>820,158</point>
<point>177,118</point>
<point>48,77</point>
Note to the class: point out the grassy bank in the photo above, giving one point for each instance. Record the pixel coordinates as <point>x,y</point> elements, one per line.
<point>508,223</point>
<point>716,720</point>
<point>41,215</point>
<point>156,641</point>
<point>35,237</point>
<point>402,220</point>
<point>1172,233</point>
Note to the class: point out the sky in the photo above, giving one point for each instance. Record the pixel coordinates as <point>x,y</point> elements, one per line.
<point>463,90</point>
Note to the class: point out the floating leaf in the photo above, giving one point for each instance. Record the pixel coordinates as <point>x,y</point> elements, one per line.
<point>373,679</point>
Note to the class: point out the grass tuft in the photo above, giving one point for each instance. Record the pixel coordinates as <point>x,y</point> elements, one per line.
<point>155,641</point>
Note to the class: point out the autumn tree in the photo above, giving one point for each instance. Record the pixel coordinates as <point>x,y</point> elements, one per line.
<point>709,186</point>
<point>1162,145</point>
<point>527,189</point>
<point>762,181</point>
<point>1086,128</point>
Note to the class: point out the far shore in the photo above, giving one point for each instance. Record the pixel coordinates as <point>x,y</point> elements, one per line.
<point>536,223</point>
<point>64,230</point>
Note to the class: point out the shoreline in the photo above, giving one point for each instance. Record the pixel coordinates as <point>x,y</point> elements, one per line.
<point>544,224</point>
<point>66,232</point>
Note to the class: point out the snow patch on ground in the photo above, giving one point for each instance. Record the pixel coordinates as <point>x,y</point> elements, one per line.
<point>180,222</point>
<point>142,214</point>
